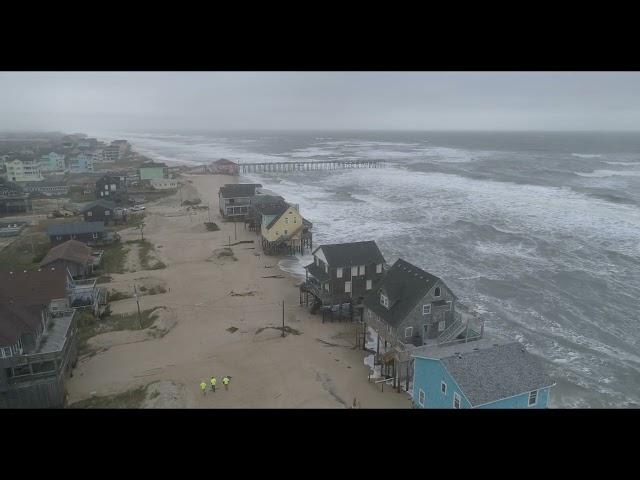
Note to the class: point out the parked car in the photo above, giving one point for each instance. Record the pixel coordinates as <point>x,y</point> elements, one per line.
<point>137,208</point>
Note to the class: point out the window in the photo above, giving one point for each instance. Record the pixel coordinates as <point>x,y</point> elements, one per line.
<point>361,269</point>
<point>443,388</point>
<point>456,400</point>
<point>89,214</point>
<point>107,212</point>
<point>339,272</point>
<point>113,187</point>
<point>106,187</point>
<point>441,325</point>
<point>6,352</point>
<point>347,287</point>
<point>58,237</point>
<point>326,287</point>
<point>408,332</point>
<point>436,292</point>
<point>368,284</point>
<point>354,271</point>
<point>384,300</point>
<point>379,268</point>
<point>533,398</point>
<point>426,309</point>
<point>421,396</point>
<point>317,261</point>
<point>295,220</point>
<point>94,235</point>
<point>450,303</point>
<point>326,268</point>
<point>286,232</point>
<point>286,221</point>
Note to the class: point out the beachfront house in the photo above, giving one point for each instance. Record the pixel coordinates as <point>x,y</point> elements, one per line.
<point>111,187</point>
<point>267,204</point>
<point>224,167</point>
<point>21,171</point>
<point>153,171</point>
<point>164,184</point>
<point>234,199</point>
<point>341,275</point>
<point>101,211</point>
<point>52,162</point>
<point>284,230</point>
<point>86,232</point>
<point>81,163</point>
<point>480,374</point>
<point>73,256</point>
<point>38,339</point>
<point>408,308</point>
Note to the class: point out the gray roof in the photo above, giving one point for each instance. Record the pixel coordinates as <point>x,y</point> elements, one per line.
<point>239,190</point>
<point>98,203</point>
<point>348,254</point>
<point>317,272</point>
<point>77,228</point>
<point>405,285</point>
<point>494,372</point>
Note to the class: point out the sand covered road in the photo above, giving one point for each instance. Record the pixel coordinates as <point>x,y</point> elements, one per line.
<point>215,332</point>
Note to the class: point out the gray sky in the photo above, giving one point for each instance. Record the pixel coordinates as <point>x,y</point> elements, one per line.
<point>101,101</point>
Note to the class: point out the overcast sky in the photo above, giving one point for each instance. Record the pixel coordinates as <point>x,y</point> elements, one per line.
<point>120,101</point>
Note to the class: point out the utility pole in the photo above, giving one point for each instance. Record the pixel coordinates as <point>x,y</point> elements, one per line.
<point>138,302</point>
<point>283,317</point>
<point>142,230</point>
<point>209,211</point>
<point>229,242</point>
<point>235,230</point>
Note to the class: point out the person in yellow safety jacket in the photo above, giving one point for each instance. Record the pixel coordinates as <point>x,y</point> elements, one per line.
<point>213,384</point>
<point>225,380</point>
<point>203,387</point>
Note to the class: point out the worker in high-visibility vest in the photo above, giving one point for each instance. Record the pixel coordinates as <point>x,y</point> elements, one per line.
<point>213,384</point>
<point>203,387</point>
<point>225,381</point>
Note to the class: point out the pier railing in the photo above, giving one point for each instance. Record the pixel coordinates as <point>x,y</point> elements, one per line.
<point>308,165</point>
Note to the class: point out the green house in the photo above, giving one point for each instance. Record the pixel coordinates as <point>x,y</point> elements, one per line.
<point>153,171</point>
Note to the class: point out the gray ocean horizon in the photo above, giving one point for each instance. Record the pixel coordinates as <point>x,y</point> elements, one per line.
<point>539,232</point>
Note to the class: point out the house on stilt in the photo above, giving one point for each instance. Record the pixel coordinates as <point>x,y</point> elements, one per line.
<point>340,277</point>
<point>285,231</point>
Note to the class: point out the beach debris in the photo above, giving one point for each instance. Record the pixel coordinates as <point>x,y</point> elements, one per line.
<point>212,226</point>
<point>248,293</point>
<point>232,329</point>
<point>241,241</point>
<point>274,276</point>
<point>287,329</point>
<point>269,266</point>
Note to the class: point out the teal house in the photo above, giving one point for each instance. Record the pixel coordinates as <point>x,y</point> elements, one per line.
<point>153,171</point>
<point>52,162</point>
<point>479,374</point>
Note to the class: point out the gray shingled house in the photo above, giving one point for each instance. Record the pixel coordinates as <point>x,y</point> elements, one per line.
<point>87,232</point>
<point>411,307</point>
<point>342,274</point>
<point>72,255</point>
<point>38,341</point>
<point>235,198</point>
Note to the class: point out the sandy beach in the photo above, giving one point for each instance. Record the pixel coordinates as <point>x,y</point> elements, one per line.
<point>207,330</point>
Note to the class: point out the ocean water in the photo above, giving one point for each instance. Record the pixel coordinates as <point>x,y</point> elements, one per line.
<point>537,232</point>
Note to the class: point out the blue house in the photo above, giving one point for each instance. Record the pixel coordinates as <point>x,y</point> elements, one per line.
<point>479,374</point>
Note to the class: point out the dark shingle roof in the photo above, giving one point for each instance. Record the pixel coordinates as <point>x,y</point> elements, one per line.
<point>71,250</point>
<point>98,203</point>
<point>77,228</point>
<point>32,288</point>
<point>239,190</point>
<point>405,285</point>
<point>16,320</point>
<point>495,373</point>
<point>281,211</point>
<point>348,254</point>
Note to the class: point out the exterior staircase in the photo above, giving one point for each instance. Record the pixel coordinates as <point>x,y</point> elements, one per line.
<point>451,333</point>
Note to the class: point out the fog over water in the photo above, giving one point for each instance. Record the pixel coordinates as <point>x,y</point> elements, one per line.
<point>538,232</point>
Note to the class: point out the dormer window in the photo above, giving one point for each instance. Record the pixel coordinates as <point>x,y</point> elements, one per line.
<point>436,292</point>
<point>379,268</point>
<point>384,300</point>
<point>354,271</point>
<point>339,272</point>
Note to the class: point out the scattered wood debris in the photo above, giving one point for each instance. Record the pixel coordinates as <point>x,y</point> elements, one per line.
<point>274,276</point>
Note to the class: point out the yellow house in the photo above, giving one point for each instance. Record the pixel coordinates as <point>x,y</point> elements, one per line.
<point>283,230</point>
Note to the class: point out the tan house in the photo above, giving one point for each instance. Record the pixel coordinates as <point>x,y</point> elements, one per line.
<point>285,231</point>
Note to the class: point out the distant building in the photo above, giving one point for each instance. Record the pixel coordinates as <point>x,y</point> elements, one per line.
<point>153,171</point>
<point>15,203</point>
<point>81,163</point>
<point>88,143</point>
<point>285,231</point>
<point>23,171</point>
<point>235,198</point>
<point>480,374</point>
<point>52,162</point>
<point>87,232</point>
<point>50,189</point>
<point>111,187</point>
<point>225,167</point>
<point>164,184</point>
<point>100,211</point>
<point>343,273</point>
<point>38,339</point>
<point>74,256</point>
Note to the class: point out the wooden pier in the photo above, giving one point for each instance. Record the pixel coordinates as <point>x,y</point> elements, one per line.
<point>308,165</point>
